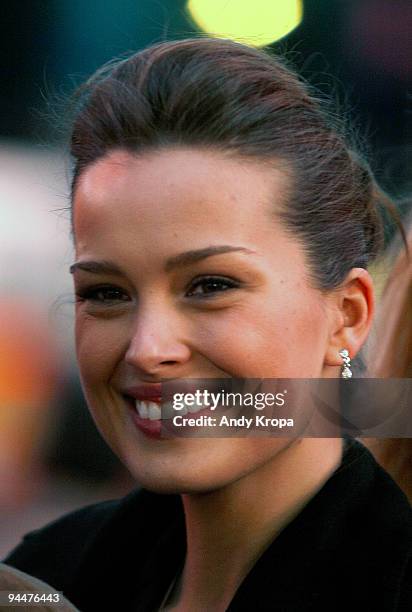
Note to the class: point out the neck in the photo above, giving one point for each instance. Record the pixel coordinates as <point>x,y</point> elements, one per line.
<point>229,529</point>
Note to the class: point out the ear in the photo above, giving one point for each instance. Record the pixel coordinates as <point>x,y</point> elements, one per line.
<point>352,309</point>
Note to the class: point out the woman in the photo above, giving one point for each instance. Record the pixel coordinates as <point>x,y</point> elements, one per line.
<point>222,229</point>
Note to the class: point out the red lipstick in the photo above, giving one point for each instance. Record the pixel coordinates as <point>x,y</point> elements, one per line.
<point>145,392</point>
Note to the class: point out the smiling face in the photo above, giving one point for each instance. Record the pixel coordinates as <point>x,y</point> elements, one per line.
<point>184,271</point>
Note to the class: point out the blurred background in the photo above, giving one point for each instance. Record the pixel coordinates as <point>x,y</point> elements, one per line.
<point>357,51</point>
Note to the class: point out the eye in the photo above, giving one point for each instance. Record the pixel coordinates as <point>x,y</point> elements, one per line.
<point>102,294</point>
<point>208,286</point>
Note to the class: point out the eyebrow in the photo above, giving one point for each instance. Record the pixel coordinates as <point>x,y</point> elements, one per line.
<point>190,257</point>
<point>183,259</point>
<point>95,267</point>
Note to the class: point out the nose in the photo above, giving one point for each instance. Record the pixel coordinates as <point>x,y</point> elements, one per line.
<point>156,346</point>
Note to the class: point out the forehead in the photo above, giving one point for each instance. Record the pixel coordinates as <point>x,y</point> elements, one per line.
<point>173,191</point>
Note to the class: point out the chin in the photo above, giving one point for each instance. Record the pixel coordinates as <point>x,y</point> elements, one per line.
<point>167,483</point>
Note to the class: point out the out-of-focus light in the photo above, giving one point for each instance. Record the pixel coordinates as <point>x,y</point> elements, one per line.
<point>254,22</point>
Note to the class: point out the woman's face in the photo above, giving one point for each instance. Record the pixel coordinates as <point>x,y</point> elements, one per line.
<point>184,271</point>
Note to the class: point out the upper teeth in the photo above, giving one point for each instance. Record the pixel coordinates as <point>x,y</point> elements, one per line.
<point>152,410</point>
<point>148,410</point>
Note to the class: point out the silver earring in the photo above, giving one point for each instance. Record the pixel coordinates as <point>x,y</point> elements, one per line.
<point>346,371</point>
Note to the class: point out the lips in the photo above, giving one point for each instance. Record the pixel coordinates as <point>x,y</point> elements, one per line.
<point>146,393</point>
<point>153,411</point>
<point>149,404</point>
<point>157,421</point>
<point>146,400</point>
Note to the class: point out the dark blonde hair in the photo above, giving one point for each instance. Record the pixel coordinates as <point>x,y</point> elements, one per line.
<point>391,357</point>
<point>393,353</point>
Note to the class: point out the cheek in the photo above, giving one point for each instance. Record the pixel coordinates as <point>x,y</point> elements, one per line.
<point>239,342</point>
<point>260,339</point>
<point>99,346</point>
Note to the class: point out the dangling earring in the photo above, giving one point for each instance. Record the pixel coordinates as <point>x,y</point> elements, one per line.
<point>346,371</point>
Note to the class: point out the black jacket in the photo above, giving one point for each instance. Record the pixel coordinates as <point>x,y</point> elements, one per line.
<point>349,549</point>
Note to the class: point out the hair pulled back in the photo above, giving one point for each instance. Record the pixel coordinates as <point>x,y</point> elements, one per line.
<point>223,95</point>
